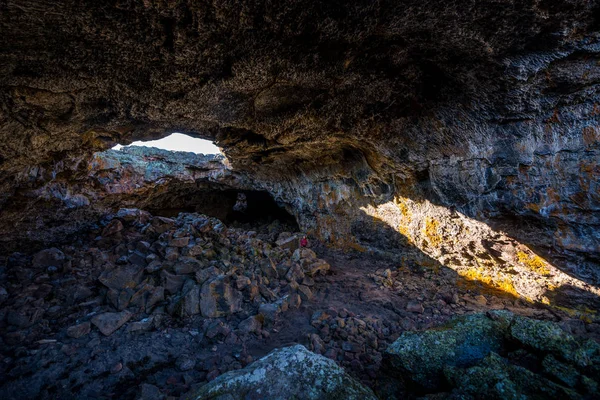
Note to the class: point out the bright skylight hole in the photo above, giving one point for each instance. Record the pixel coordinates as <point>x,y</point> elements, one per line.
<point>178,142</point>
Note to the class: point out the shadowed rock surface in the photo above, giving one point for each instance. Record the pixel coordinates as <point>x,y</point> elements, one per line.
<point>538,359</point>
<point>488,107</point>
<point>442,158</point>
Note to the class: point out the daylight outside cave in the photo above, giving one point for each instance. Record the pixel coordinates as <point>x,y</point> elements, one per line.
<point>311,200</point>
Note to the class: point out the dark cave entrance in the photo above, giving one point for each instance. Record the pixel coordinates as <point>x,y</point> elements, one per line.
<point>239,208</point>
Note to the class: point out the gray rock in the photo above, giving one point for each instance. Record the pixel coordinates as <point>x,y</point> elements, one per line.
<point>315,267</point>
<point>295,273</point>
<point>291,242</point>
<point>187,265</point>
<point>563,373</point>
<point>288,373</point>
<point>120,299</point>
<point>207,274</point>
<point>269,313</point>
<point>80,330</point>
<point>112,228</point>
<point>154,266</point>
<point>218,298</point>
<point>191,299</point>
<point>108,323</point>
<point>172,283</point>
<point>303,254</point>
<point>141,326</point>
<point>157,296</point>
<point>179,242</point>
<point>495,378</point>
<point>422,356</point>
<point>150,392</point>
<point>415,306</point>
<point>121,277</point>
<point>251,325</point>
<point>137,258</point>
<point>52,257</point>
<point>133,215</point>
<point>305,293</point>
<point>185,363</point>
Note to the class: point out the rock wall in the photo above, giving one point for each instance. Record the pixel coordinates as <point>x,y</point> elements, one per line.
<point>489,109</point>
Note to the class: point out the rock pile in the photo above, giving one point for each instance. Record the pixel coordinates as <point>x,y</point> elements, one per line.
<point>142,273</point>
<point>155,267</point>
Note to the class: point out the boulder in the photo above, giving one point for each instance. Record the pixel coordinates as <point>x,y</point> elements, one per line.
<point>218,298</point>
<point>303,254</point>
<point>291,242</point>
<point>191,299</point>
<point>251,325</point>
<point>207,274</point>
<point>133,215</point>
<point>122,277</point>
<point>52,257</point>
<point>78,331</point>
<point>187,265</point>
<point>495,378</point>
<point>317,266</point>
<point>464,354</point>
<point>288,373</point>
<point>422,356</point>
<point>172,283</point>
<point>157,296</point>
<point>108,323</point>
<point>112,228</point>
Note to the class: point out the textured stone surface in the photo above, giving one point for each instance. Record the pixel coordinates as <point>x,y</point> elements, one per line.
<point>540,359</point>
<point>291,372</point>
<point>108,323</point>
<point>423,356</point>
<point>490,108</point>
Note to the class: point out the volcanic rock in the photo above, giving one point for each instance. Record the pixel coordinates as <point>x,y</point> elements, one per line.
<point>80,330</point>
<point>291,372</point>
<point>218,298</point>
<point>108,323</point>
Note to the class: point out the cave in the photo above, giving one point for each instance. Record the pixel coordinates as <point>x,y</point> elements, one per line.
<point>248,208</point>
<point>397,196</point>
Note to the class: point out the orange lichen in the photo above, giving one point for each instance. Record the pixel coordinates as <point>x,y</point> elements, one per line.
<point>533,262</point>
<point>431,232</point>
<point>403,230</point>
<point>401,204</point>
<point>491,285</point>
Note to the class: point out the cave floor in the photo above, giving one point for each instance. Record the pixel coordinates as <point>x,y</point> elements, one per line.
<point>350,314</point>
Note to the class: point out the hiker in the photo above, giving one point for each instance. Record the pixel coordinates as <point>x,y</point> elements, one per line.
<point>304,241</point>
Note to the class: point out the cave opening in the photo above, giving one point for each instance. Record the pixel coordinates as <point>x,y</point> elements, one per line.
<point>178,142</point>
<point>248,209</point>
<point>234,204</point>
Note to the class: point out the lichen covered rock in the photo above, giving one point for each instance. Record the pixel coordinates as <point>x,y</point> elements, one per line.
<point>288,373</point>
<point>463,342</point>
<point>497,355</point>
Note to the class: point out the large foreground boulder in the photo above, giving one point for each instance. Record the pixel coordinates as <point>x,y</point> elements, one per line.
<point>462,343</point>
<point>497,355</point>
<point>288,373</point>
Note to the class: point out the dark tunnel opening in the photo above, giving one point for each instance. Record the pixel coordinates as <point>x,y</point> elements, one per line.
<point>240,208</point>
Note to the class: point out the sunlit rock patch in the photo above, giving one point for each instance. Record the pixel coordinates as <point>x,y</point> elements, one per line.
<point>476,251</point>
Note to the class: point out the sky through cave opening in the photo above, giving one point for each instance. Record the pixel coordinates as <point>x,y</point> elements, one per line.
<point>178,142</point>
